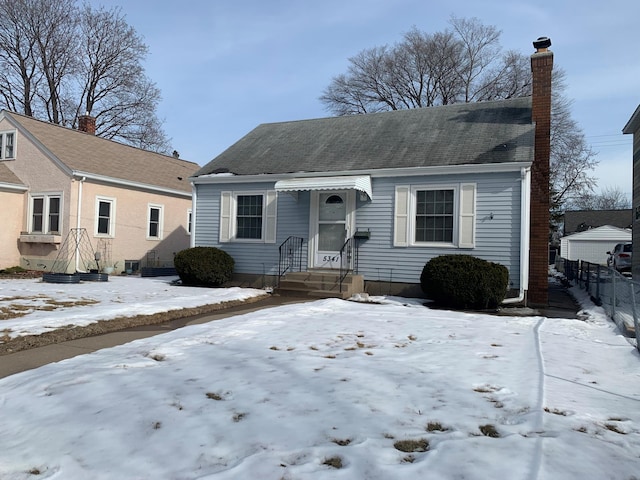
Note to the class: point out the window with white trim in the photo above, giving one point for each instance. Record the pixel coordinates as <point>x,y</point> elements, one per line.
<point>189,221</point>
<point>154,222</point>
<point>7,145</point>
<point>434,219</point>
<point>45,213</point>
<point>435,215</point>
<point>105,217</point>
<point>248,216</point>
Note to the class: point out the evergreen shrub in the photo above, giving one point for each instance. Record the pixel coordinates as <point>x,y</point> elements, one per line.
<point>204,266</point>
<point>464,282</point>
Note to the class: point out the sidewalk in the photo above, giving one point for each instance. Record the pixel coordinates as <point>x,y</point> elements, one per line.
<point>561,305</point>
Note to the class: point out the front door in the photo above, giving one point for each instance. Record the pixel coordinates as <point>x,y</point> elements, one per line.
<point>332,214</point>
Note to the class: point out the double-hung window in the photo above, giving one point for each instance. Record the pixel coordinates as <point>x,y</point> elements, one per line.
<point>434,218</point>
<point>435,215</point>
<point>7,145</point>
<point>154,222</point>
<point>248,216</point>
<point>105,217</point>
<point>45,213</point>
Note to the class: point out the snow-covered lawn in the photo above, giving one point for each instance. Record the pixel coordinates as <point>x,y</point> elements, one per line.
<point>32,307</point>
<point>335,389</point>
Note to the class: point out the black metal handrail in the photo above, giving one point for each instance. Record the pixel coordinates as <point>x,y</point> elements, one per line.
<point>290,256</point>
<point>346,253</point>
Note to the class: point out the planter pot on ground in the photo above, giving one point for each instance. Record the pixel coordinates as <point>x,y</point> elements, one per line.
<point>94,277</point>
<point>61,278</point>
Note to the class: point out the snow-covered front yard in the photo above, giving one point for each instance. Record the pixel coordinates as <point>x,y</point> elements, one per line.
<point>333,389</point>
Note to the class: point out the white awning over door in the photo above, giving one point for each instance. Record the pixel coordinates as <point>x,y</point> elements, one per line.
<point>361,183</point>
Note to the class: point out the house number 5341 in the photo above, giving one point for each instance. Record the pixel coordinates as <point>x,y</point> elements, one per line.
<point>329,258</point>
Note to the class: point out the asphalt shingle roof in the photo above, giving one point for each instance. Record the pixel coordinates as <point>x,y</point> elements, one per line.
<point>7,176</point>
<point>459,134</point>
<point>87,153</point>
<point>584,219</point>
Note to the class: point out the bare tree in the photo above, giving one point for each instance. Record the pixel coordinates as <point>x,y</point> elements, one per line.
<point>21,75</point>
<point>480,50</point>
<point>462,64</point>
<point>52,25</point>
<point>572,159</point>
<point>62,61</point>
<point>113,86</point>
<point>611,198</point>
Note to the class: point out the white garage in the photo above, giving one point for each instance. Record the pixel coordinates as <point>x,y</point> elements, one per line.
<point>592,245</point>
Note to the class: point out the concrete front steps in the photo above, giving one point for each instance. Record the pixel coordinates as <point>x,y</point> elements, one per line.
<point>319,284</point>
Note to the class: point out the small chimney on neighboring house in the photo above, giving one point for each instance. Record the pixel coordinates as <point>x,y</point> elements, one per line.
<point>541,67</point>
<point>87,124</point>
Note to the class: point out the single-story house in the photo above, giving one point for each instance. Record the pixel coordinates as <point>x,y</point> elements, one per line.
<point>592,245</point>
<point>381,194</point>
<point>67,194</point>
<point>633,128</point>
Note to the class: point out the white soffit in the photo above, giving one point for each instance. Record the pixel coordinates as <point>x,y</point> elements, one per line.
<point>361,183</point>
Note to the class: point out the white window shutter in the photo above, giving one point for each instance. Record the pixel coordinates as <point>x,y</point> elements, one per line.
<point>270,218</point>
<point>467,230</point>
<point>225,216</point>
<point>401,217</point>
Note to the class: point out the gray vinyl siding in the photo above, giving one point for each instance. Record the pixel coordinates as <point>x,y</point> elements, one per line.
<point>254,258</point>
<point>496,240</point>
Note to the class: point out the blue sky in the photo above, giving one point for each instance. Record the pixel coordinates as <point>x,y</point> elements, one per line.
<point>225,67</point>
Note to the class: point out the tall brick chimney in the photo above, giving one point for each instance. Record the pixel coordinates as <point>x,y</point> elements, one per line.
<point>541,67</point>
<point>87,124</point>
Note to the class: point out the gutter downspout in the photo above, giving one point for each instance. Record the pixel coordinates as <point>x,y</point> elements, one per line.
<point>525,225</point>
<point>194,197</point>
<point>80,183</point>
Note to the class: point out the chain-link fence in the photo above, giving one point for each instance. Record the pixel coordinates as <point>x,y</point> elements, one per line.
<point>617,294</point>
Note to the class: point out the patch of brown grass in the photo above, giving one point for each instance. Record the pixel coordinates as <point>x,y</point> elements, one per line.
<point>21,305</point>
<point>555,411</point>
<point>410,446</point>
<point>237,417</point>
<point>334,462</point>
<point>489,431</point>
<point>614,428</point>
<point>436,427</point>
<point>342,443</point>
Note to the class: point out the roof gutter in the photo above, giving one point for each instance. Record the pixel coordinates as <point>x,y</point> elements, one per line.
<point>130,184</point>
<point>525,226</point>
<point>13,186</point>
<point>382,172</point>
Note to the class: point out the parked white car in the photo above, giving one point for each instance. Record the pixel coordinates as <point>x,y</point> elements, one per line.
<point>620,257</point>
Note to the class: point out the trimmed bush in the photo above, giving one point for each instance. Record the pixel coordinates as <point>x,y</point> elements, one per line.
<point>204,266</point>
<point>464,282</point>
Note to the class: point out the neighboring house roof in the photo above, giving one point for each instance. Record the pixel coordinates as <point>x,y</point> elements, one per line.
<point>85,153</point>
<point>604,232</point>
<point>8,177</point>
<point>633,125</point>
<point>580,220</point>
<point>459,134</point>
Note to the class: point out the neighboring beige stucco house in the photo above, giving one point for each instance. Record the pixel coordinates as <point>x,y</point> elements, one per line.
<point>60,186</point>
